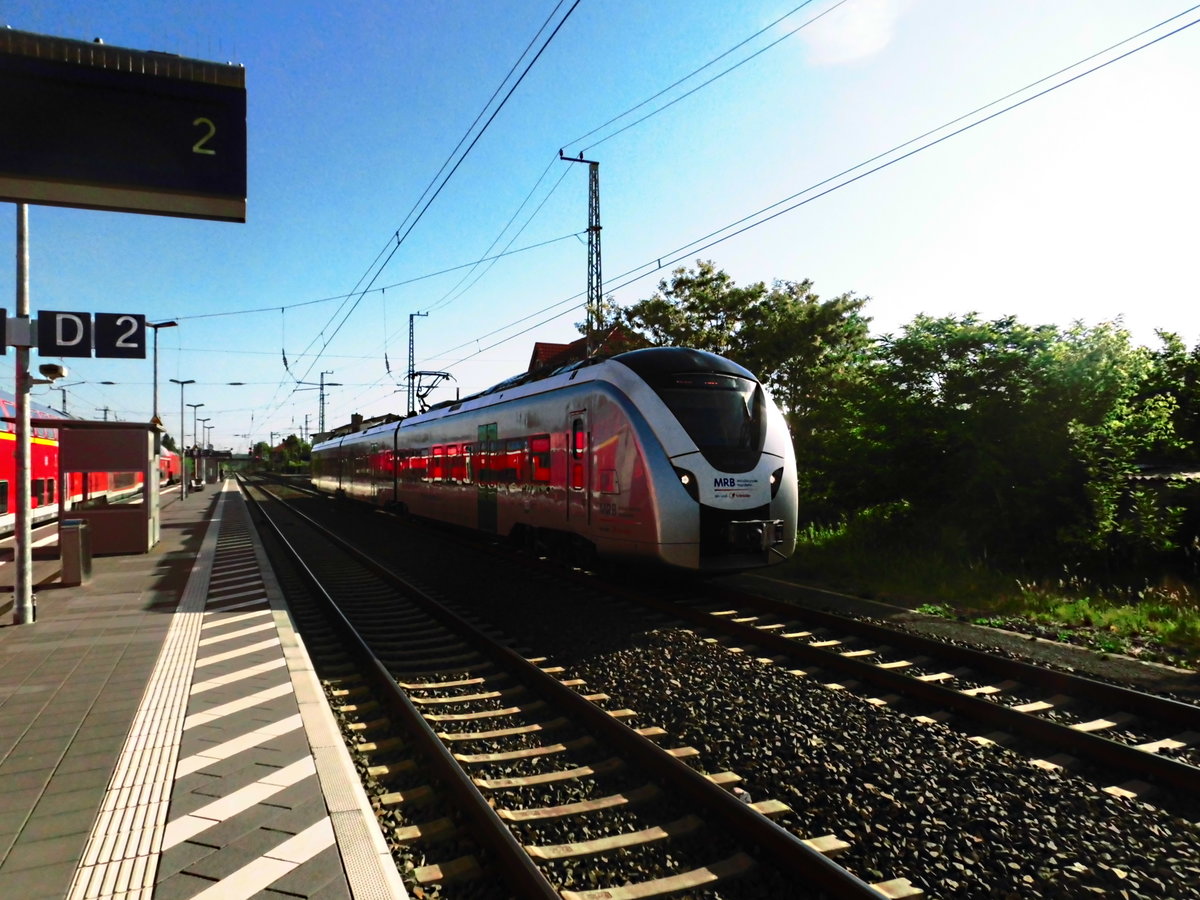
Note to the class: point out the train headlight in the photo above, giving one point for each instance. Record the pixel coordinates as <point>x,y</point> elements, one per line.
<point>776,481</point>
<point>688,480</point>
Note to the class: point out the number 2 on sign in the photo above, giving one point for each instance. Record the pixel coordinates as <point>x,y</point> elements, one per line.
<point>199,147</point>
<point>124,341</point>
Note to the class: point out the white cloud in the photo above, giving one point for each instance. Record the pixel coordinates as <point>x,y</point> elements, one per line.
<point>854,31</point>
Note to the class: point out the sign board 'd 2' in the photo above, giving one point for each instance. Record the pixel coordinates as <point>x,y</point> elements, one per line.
<point>80,334</point>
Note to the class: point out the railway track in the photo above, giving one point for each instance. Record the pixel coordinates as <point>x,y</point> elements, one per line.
<point>542,776</point>
<point>959,818</point>
<point>1152,743</point>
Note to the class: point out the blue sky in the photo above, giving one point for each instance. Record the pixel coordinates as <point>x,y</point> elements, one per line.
<point>1080,205</point>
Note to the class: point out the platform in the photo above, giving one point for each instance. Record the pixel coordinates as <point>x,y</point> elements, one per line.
<point>162,734</point>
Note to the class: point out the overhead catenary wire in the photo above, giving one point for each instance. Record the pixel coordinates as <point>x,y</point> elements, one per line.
<point>667,259</point>
<point>462,286</point>
<point>488,262</point>
<point>448,298</point>
<point>705,84</point>
<point>400,240</point>
<point>698,245</point>
<point>493,258</point>
<point>385,287</point>
<point>376,266</point>
<point>699,69</point>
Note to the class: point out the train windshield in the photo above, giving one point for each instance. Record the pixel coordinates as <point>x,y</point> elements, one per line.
<point>723,414</point>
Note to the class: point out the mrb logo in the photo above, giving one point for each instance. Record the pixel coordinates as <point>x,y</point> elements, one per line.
<point>723,483</point>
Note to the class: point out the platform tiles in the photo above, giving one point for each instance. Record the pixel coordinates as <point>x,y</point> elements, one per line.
<point>234,781</point>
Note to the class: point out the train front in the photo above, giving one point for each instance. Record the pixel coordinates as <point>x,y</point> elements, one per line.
<point>726,491</point>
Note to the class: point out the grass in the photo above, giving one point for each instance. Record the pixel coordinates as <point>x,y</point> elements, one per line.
<point>932,573</point>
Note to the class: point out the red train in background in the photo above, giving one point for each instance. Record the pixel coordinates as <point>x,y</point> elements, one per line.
<point>43,471</point>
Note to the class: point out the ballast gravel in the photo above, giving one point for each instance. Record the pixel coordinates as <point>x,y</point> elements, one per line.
<point>912,799</point>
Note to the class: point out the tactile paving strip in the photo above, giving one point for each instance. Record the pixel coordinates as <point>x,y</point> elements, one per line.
<point>122,852</point>
<point>243,744</point>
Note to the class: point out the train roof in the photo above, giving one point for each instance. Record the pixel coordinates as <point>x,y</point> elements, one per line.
<point>8,405</point>
<point>649,364</point>
<point>654,361</point>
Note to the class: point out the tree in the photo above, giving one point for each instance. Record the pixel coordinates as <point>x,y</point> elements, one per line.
<point>807,351</point>
<point>797,344</point>
<point>801,346</point>
<point>702,309</point>
<point>1176,374</point>
<point>1018,440</point>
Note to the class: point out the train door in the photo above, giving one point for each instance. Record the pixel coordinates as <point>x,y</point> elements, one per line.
<point>484,479</point>
<point>579,469</point>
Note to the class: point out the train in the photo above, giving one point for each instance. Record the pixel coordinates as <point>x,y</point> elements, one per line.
<point>666,455</point>
<point>45,492</point>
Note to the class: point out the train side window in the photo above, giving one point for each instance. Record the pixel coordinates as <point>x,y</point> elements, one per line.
<point>483,468</point>
<point>578,451</point>
<point>418,465</point>
<point>578,439</point>
<point>539,450</point>
<point>456,463</point>
<point>494,461</point>
<point>485,448</point>
<point>407,464</point>
<point>468,462</point>
<point>3,496</point>
<point>515,451</point>
<point>49,490</point>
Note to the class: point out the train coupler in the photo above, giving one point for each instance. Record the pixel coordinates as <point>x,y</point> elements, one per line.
<point>756,534</point>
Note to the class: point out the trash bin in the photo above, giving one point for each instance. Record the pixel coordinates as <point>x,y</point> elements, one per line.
<point>75,549</point>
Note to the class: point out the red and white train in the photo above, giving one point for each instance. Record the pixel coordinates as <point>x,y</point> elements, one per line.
<point>667,454</point>
<point>43,470</point>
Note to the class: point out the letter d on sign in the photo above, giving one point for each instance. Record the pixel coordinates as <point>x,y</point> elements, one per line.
<point>64,333</point>
<point>67,323</point>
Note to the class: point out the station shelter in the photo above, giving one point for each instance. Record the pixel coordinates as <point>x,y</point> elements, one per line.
<point>108,477</point>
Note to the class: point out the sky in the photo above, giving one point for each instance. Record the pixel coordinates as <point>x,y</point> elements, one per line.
<point>1079,205</point>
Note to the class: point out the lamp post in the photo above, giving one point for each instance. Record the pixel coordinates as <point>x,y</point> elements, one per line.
<point>182,439</point>
<point>201,468</point>
<point>156,326</point>
<point>194,406</point>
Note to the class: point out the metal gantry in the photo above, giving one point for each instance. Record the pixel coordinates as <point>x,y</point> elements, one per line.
<point>412,362</point>
<point>319,385</point>
<point>595,279</point>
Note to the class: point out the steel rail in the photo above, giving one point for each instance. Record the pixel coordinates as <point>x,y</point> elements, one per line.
<point>786,851</point>
<point>525,878</point>
<point>1167,771</point>
<point>1119,696</point>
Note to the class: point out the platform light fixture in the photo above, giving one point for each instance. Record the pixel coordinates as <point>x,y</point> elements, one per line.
<point>201,475</point>
<point>156,326</point>
<point>182,439</point>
